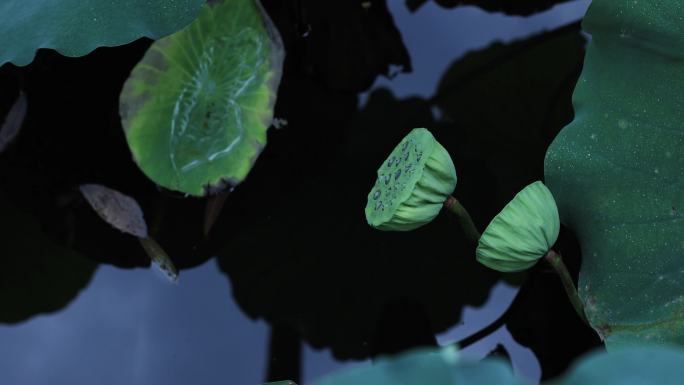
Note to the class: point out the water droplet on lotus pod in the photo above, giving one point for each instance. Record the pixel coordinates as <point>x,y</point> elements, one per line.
<point>405,198</point>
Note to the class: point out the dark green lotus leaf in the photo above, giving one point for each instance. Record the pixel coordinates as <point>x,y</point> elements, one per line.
<point>616,172</point>
<point>36,275</point>
<point>74,27</point>
<point>412,184</point>
<point>197,106</point>
<point>363,42</point>
<point>371,296</point>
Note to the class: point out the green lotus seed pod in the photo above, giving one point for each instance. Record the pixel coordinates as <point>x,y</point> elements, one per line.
<point>412,185</point>
<point>522,232</point>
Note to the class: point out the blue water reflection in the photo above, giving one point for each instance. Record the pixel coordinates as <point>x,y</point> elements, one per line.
<point>131,327</point>
<point>436,37</point>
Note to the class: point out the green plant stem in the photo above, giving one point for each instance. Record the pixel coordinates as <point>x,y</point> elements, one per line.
<point>159,258</point>
<point>554,259</point>
<point>452,204</point>
<point>212,211</point>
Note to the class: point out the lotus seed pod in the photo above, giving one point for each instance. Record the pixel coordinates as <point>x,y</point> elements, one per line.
<point>412,185</point>
<point>522,232</point>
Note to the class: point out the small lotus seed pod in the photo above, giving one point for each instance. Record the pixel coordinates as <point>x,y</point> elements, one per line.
<point>412,185</point>
<point>522,232</point>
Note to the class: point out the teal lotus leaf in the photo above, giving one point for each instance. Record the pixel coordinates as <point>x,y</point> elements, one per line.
<point>424,366</point>
<point>522,232</point>
<point>75,27</point>
<point>197,106</point>
<point>616,172</point>
<point>661,365</point>
<point>412,184</point>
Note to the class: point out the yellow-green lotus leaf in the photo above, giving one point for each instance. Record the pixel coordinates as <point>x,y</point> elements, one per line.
<point>197,106</point>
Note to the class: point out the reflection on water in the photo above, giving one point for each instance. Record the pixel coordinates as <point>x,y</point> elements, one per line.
<point>129,327</point>
<point>132,327</point>
<point>524,362</point>
<point>435,37</point>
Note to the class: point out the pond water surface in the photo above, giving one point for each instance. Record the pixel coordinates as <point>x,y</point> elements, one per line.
<point>131,327</point>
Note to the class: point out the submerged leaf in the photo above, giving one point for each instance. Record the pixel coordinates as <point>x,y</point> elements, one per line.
<point>76,27</point>
<point>115,208</point>
<point>15,118</point>
<point>197,106</point>
<point>36,275</point>
<point>372,296</point>
<point>347,45</point>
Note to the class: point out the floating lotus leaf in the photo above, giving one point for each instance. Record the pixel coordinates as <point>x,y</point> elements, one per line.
<point>412,185</point>
<point>76,27</point>
<point>660,365</point>
<point>522,232</point>
<point>636,366</point>
<point>433,366</point>
<point>616,172</point>
<point>197,106</point>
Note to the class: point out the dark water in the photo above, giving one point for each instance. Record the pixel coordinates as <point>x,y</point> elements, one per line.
<point>129,326</point>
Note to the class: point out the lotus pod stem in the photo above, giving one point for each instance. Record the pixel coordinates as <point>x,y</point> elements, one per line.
<point>554,259</point>
<point>454,206</point>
